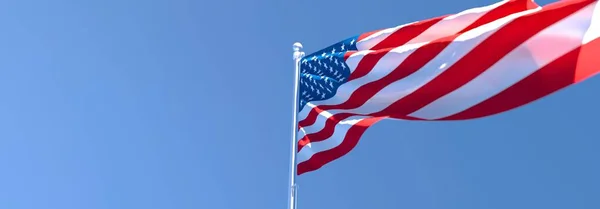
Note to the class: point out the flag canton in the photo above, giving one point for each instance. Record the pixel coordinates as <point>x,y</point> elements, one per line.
<point>322,72</point>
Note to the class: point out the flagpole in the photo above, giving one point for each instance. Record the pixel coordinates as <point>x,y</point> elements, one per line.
<point>293,189</point>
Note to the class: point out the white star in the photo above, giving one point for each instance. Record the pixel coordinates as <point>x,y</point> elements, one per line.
<point>352,42</point>
<point>333,51</point>
<point>343,46</point>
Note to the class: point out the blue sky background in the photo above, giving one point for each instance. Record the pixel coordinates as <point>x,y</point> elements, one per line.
<point>177,104</point>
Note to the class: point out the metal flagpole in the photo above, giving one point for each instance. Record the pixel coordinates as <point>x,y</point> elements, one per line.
<point>293,190</point>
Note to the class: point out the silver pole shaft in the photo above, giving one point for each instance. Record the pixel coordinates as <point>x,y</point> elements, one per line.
<point>298,54</point>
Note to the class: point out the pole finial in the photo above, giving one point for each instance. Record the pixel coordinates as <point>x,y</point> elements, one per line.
<point>297,46</point>
<point>298,54</point>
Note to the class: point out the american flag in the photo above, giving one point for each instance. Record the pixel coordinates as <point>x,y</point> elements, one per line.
<point>472,64</point>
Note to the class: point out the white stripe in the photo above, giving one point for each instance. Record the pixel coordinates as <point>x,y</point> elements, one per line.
<point>315,127</point>
<point>594,30</point>
<point>387,62</point>
<point>304,112</point>
<point>341,129</point>
<point>543,48</point>
<point>301,133</point>
<point>373,39</point>
<point>447,26</point>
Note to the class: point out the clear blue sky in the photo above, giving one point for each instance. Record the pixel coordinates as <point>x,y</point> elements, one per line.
<point>182,104</point>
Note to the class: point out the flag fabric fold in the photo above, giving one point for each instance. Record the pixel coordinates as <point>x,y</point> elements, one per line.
<point>472,64</point>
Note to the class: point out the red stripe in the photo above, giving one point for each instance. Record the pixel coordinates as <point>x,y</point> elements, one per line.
<point>367,34</point>
<point>311,117</point>
<point>587,65</point>
<point>351,138</point>
<point>366,64</point>
<point>348,54</point>
<point>555,76</point>
<point>480,58</point>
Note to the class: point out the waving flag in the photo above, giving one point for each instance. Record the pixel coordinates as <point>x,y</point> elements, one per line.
<point>473,64</point>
